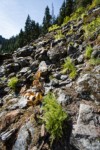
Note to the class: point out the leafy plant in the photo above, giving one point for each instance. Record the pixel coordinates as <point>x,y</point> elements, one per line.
<point>91,28</point>
<point>53,116</point>
<point>66,19</point>
<point>77,13</point>
<point>88,51</point>
<point>94,3</point>
<point>12,83</point>
<point>59,35</point>
<point>94,61</point>
<point>69,66</point>
<point>53,27</point>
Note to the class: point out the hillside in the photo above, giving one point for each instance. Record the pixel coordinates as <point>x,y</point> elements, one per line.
<point>65,62</point>
<point>2,40</point>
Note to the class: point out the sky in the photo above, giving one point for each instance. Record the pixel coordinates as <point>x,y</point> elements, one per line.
<point>13,13</point>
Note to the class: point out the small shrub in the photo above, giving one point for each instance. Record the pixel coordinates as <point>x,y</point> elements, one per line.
<point>77,13</point>
<point>59,35</point>
<point>88,52</point>
<point>53,27</point>
<point>94,3</point>
<point>69,66</point>
<point>66,19</point>
<point>13,82</point>
<point>94,61</point>
<point>91,28</point>
<point>53,117</point>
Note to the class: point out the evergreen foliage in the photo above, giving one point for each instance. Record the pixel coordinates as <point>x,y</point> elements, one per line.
<point>65,10</point>
<point>88,51</point>
<point>53,116</point>
<point>70,10</point>
<point>70,67</point>
<point>12,83</point>
<point>47,20</point>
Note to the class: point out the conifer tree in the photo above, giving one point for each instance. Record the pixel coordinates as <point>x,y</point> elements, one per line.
<point>28,29</point>
<point>46,20</point>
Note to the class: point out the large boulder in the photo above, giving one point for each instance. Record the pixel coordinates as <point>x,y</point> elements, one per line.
<point>56,53</point>
<point>86,133</point>
<point>25,51</point>
<point>88,87</point>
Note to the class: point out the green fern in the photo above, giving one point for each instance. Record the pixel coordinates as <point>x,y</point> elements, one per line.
<point>53,117</point>
<point>12,83</point>
<point>88,52</point>
<point>69,66</point>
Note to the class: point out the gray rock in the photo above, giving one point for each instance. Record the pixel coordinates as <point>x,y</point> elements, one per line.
<point>54,82</point>
<point>80,59</point>
<point>63,97</point>
<point>34,65</point>
<point>22,103</point>
<point>25,51</point>
<point>63,77</point>
<point>57,75</point>
<point>4,136</point>
<point>43,68</point>
<point>24,70</point>
<point>95,54</point>
<point>25,135</point>
<point>88,87</point>
<point>85,134</point>
<point>56,53</point>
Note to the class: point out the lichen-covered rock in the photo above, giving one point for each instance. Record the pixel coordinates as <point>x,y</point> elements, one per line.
<point>25,135</point>
<point>88,87</point>
<point>86,132</point>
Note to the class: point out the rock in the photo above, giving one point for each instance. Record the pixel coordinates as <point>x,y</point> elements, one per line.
<point>54,82</point>
<point>43,68</point>
<point>6,135</point>
<point>63,77</point>
<point>25,51</point>
<point>34,65</point>
<point>25,135</point>
<point>56,53</point>
<point>22,103</point>
<point>24,70</point>
<point>95,54</point>
<point>57,75</point>
<point>1,102</point>
<point>23,62</point>
<point>62,97</point>
<point>86,132</point>
<point>5,56</point>
<point>80,59</point>
<point>88,87</point>
<point>71,51</point>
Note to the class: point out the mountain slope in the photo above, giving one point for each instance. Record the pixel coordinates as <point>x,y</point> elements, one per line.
<point>65,61</point>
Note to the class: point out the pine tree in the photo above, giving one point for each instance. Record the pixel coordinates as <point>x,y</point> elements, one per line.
<point>46,20</point>
<point>62,13</point>
<point>69,7</point>
<point>21,38</point>
<point>28,29</point>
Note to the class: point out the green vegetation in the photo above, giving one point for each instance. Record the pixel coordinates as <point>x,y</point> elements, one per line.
<point>69,66</point>
<point>59,35</point>
<point>77,13</point>
<point>88,52</point>
<point>53,117</point>
<point>66,20</point>
<point>12,83</point>
<point>91,28</point>
<point>94,3</point>
<point>94,61</point>
<point>53,27</point>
